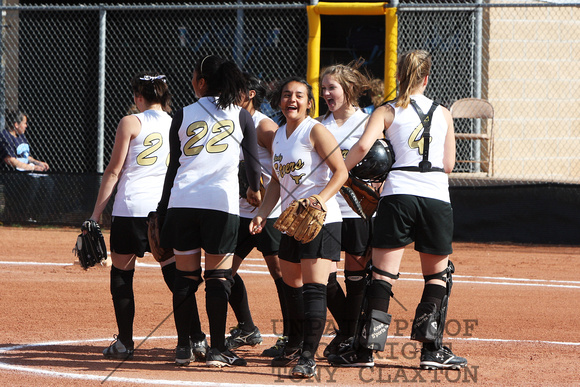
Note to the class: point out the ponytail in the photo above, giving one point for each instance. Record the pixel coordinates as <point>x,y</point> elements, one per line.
<point>224,80</point>
<point>412,68</point>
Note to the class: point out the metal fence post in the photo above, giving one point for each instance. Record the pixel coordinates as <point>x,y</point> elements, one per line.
<point>101,104</point>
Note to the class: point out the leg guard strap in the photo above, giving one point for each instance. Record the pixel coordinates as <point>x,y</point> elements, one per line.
<point>444,276</point>
<point>385,273</point>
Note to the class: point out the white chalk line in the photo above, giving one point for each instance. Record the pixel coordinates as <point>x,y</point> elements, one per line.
<point>102,378</point>
<point>472,280</point>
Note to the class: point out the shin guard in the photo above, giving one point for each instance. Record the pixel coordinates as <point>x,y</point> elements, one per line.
<point>429,322</point>
<point>375,322</point>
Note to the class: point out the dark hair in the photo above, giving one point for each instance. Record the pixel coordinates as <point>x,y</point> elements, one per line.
<point>153,87</point>
<point>224,79</point>
<point>256,84</point>
<point>276,96</point>
<point>12,117</point>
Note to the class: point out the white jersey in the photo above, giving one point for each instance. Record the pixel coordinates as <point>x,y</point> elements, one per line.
<point>210,139</point>
<point>403,134</point>
<point>347,135</point>
<point>299,168</point>
<point>141,181</point>
<point>265,158</point>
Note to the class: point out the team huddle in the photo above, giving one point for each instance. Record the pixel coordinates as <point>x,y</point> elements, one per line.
<point>223,178</point>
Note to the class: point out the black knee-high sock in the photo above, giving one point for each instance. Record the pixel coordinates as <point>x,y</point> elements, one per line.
<point>355,287</point>
<point>433,293</point>
<point>379,295</point>
<point>295,307</point>
<point>184,304</point>
<point>279,282</point>
<point>314,317</point>
<point>217,292</point>
<point>195,327</point>
<point>124,303</point>
<point>239,302</point>
<point>336,301</point>
<point>168,272</point>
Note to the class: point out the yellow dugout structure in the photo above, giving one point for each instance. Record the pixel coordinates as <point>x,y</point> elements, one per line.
<point>368,9</point>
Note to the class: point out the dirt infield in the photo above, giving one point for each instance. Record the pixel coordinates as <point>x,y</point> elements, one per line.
<point>513,315</point>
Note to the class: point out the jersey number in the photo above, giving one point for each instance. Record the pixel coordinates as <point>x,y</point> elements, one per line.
<point>420,142</point>
<point>219,131</point>
<point>153,142</point>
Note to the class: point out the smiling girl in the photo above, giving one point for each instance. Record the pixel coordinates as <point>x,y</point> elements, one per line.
<point>306,162</point>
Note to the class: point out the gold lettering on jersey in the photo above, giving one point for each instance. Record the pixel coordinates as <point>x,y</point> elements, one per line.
<point>153,142</point>
<point>344,153</point>
<point>416,139</point>
<point>287,169</point>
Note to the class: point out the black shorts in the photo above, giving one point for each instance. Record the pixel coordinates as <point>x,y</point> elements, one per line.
<point>187,229</point>
<point>129,235</point>
<point>326,245</point>
<point>267,242</point>
<point>402,219</point>
<point>355,236</point>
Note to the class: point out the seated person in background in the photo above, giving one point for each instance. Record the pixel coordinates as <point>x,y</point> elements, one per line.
<point>14,147</point>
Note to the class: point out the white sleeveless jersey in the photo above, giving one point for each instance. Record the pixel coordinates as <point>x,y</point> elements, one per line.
<point>207,177</point>
<point>347,135</point>
<point>246,209</point>
<point>141,181</point>
<point>403,134</point>
<point>300,170</point>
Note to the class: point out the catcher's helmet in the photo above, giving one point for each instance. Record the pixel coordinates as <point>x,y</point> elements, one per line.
<point>377,163</point>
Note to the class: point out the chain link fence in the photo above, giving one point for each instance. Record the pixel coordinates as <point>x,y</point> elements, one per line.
<point>69,67</point>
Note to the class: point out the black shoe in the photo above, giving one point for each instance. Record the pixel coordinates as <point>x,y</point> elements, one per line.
<point>290,355</point>
<point>118,351</point>
<point>239,337</point>
<point>336,344</point>
<point>277,349</point>
<point>227,358</point>
<point>442,358</point>
<point>184,354</point>
<point>306,368</point>
<point>353,358</point>
<point>199,349</point>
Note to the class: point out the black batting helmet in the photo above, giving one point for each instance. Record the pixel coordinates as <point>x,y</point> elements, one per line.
<point>377,163</point>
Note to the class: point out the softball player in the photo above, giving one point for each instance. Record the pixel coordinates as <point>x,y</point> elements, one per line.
<point>267,242</point>
<point>341,87</point>
<point>137,168</point>
<point>200,196</point>
<point>414,207</point>
<point>306,162</point>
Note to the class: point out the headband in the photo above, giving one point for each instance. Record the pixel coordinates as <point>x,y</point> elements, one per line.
<point>153,79</point>
<point>201,65</point>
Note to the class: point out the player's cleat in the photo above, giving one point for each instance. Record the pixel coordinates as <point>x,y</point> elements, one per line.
<point>442,358</point>
<point>277,349</point>
<point>184,354</point>
<point>339,341</point>
<point>215,358</point>
<point>199,349</point>
<point>289,356</point>
<point>352,358</point>
<point>238,337</point>
<point>118,351</point>
<point>306,368</point>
